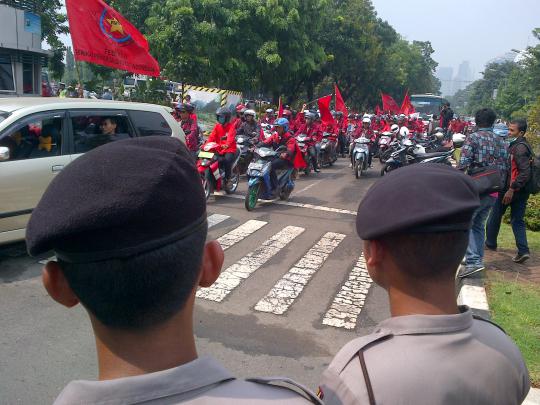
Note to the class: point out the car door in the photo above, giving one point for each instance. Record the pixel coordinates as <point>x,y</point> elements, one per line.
<point>37,152</point>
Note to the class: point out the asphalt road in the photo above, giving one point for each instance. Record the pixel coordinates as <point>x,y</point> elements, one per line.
<point>293,291</point>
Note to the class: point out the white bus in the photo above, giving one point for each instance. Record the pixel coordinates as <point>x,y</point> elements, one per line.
<point>427,104</point>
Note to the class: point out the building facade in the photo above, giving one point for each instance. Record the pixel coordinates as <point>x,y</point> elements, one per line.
<point>21,54</point>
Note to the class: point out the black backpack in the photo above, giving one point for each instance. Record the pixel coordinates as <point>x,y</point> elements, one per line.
<point>533,184</point>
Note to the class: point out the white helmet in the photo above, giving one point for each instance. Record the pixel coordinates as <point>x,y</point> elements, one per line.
<point>458,138</point>
<point>439,135</point>
<point>394,128</point>
<point>251,112</point>
<point>404,131</point>
<point>407,142</point>
<point>269,111</point>
<point>366,120</point>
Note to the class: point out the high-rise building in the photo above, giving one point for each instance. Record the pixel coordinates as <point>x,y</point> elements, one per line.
<point>445,74</point>
<point>463,78</point>
<point>21,55</point>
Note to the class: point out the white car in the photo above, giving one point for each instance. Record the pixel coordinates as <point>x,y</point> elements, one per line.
<point>40,136</point>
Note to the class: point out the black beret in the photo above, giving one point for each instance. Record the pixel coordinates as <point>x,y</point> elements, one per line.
<point>419,198</point>
<point>119,200</point>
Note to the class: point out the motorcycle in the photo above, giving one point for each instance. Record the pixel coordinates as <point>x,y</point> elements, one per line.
<point>328,152</point>
<point>302,140</point>
<point>244,144</point>
<point>383,145</point>
<point>259,181</point>
<point>409,154</point>
<point>212,175</point>
<point>360,155</point>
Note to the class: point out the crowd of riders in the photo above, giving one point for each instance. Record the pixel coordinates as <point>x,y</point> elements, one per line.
<point>275,129</point>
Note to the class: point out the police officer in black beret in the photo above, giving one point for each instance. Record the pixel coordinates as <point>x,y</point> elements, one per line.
<point>127,222</point>
<point>431,351</point>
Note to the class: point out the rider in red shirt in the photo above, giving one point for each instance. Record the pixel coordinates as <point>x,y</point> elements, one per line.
<point>224,134</point>
<point>191,131</point>
<point>312,130</point>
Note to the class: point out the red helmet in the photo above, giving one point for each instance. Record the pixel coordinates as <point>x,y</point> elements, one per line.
<point>287,113</point>
<point>240,108</point>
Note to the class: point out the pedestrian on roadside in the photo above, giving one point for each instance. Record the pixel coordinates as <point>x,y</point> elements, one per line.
<point>431,351</point>
<point>447,115</point>
<point>481,148</point>
<point>133,253</point>
<point>517,194</point>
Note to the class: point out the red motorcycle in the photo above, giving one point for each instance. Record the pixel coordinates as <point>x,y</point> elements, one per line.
<point>212,175</point>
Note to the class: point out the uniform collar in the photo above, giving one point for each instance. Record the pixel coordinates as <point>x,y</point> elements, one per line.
<point>427,324</point>
<point>195,375</point>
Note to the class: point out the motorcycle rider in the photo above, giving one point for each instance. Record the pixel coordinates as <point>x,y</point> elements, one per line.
<point>239,119</point>
<point>312,130</point>
<point>268,118</point>
<point>341,129</point>
<point>291,157</point>
<point>249,127</point>
<point>366,132</point>
<point>224,135</point>
<point>189,127</point>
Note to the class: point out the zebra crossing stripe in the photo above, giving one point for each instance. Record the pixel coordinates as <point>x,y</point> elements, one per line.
<point>348,303</point>
<point>215,219</point>
<point>286,290</point>
<point>240,233</point>
<point>242,269</point>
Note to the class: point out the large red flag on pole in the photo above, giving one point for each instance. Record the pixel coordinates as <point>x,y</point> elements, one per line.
<point>324,108</point>
<point>407,107</point>
<point>340,106</point>
<point>101,35</point>
<point>389,104</point>
<point>378,110</point>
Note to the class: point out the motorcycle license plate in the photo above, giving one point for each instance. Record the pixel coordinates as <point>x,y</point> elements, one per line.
<point>206,155</point>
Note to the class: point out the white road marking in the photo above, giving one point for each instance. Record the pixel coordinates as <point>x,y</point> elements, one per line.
<point>473,296</point>
<point>299,205</point>
<point>307,187</point>
<point>215,219</point>
<point>242,269</point>
<point>348,303</point>
<point>240,233</point>
<point>286,290</point>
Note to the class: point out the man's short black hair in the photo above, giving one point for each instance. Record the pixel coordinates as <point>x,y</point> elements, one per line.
<point>521,124</point>
<point>428,255</point>
<point>485,118</point>
<point>139,292</point>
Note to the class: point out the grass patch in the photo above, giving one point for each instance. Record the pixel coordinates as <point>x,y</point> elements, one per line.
<point>516,307</point>
<point>506,239</point>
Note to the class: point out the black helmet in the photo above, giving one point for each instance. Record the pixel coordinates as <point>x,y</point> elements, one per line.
<point>190,107</point>
<point>225,114</point>
<point>182,107</point>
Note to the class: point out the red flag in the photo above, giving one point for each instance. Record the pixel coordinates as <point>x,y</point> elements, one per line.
<point>340,106</point>
<point>378,110</point>
<point>389,104</point>
<point>280,109</point>
<point>407,107</point>
<point>101,35</point>
<point>324,107</point>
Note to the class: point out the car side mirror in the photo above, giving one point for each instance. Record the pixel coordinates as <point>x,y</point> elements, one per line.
<point>4,153</point>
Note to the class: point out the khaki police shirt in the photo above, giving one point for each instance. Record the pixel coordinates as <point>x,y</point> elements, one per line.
<point>202,381</point>
<point>425,359</point>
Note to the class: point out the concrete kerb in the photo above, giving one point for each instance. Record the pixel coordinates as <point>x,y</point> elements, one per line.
<point>473,294</point>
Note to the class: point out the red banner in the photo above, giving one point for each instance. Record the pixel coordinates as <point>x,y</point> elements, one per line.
<point>324,107</point>
<point>407,107</point>
<point>101,35</point>
<point>389,104</point>
<point>378,110</point>
<point>280,108</point>
<point>340,106</point>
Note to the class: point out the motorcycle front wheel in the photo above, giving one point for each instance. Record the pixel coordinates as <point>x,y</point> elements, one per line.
<point>387,169</point>
<point>252,196</point>
<point>285,193</point>
<point>207,184</point>
<point>358,168</point>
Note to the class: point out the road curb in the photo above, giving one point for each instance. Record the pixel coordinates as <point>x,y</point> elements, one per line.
<point>473,294</point>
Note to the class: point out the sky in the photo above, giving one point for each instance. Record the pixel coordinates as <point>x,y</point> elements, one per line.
<point>464,30</point>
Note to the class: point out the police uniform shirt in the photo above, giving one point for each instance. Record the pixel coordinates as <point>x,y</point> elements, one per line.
<point>202,381</point>
<point>428,359</point>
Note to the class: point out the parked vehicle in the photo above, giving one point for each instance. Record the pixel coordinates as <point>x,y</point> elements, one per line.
<point>212,175</point>
<point>259,182</point>
<point>39,136</point>
<point>407,155</point>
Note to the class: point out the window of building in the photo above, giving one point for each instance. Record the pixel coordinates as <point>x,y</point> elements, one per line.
<point>7,81</point>
<point>28,78</point>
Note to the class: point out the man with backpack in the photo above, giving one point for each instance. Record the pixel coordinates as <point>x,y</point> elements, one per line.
<point>517,195</point>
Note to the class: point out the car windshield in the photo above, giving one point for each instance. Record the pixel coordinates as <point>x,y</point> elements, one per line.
<point>426,105</point>
<point>3,115</point>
